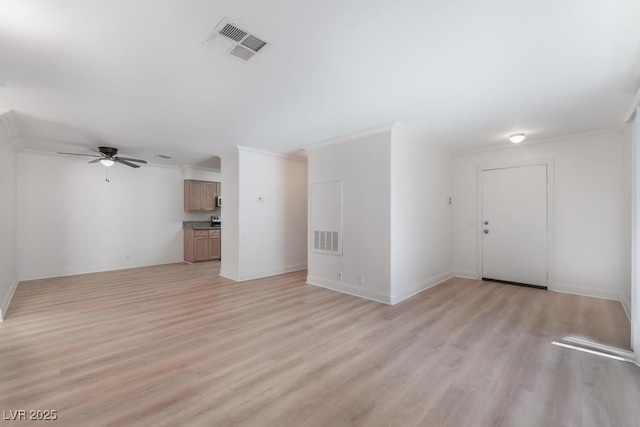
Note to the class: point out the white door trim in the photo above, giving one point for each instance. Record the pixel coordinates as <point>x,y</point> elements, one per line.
<point>550,240</point>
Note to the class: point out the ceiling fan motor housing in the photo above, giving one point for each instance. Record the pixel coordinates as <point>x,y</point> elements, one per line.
<point>108,151</point>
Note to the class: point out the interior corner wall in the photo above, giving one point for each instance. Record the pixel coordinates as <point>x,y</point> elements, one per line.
<point>230,217</point>
<point>421,217</point>
<point>362,165</point>
<point>626,242</point>
<point>590,257</point>
<point>634,140</point>
<point>8,221</point>
<point>72,221</point>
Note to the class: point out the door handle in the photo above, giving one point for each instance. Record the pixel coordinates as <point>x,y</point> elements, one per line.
<point>486,231</point>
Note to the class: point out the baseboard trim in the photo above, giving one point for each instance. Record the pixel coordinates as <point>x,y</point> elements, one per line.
<point>228,275</point>
<point>7,300</point>
<point>465,274</point>
<point>595,293</point>
<point>347,288</point>
<point>422,286</point>
<point>96,270</point>
<point>269,273</point>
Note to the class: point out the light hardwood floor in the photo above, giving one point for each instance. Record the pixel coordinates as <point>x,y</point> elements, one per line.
<point>174,345</point>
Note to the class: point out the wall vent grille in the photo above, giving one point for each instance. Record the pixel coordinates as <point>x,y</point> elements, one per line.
<point>235,40</point>
<point>325,241</point>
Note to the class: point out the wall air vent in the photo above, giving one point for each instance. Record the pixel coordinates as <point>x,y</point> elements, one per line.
<point>235,40</point>
<point>325,241</point>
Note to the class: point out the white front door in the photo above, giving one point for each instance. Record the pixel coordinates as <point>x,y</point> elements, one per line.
<point>514,225</point>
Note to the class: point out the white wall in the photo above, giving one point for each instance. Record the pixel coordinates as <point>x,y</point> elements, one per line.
<point>201,174</point>
<point>421,218</point>
<point>230,233</point>
<point>71,221</point>
<point>269,237</point>
<point>363,165</point>
<point>634,141</point>
<point>272,232</point>
<point>8,221</point>
<point>590,253</point>
<point>626,242</point>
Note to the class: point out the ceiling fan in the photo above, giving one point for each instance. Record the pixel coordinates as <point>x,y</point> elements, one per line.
<point>108,157</point>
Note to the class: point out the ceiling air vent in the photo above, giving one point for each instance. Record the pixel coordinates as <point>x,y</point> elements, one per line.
<point>233,33</point>
<point>242,53</point>
<point>234,40</point>
<point>253,43</point>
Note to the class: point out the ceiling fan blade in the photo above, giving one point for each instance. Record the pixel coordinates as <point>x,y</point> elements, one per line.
<point>94,161</point>
<point>124,162</point>
<point>77,154</point>
<point>133,160</point>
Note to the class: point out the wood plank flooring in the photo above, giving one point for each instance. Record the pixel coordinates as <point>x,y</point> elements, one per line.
<point>175,345</point>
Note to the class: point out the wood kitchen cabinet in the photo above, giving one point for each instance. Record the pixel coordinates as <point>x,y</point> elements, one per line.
<point>214,244</point>
<point>200,196</point>
<point>201,245</point>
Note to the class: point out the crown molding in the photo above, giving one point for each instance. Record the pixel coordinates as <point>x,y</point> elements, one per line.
<point>631,112</point>
<point>226,152</point>
<point>270,153</point>
<point>200,168</point>
<point>387,127</point>
<point>567,138</point>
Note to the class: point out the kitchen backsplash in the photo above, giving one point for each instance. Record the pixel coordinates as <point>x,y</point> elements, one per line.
<point>201,216</point>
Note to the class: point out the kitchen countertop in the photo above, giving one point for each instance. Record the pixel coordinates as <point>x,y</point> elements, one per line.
<point>199,225</point>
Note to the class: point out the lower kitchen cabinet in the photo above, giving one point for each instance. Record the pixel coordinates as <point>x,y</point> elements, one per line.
<point>201,245</point>
<point>214,244</point>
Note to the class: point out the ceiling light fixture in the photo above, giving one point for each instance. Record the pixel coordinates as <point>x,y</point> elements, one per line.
<point>107,162</point>
<point>517,138</point>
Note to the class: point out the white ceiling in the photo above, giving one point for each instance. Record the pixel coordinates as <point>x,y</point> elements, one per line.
<point>135,75</point>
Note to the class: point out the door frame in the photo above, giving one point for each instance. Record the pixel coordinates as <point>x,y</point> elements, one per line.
<point>550,234</point>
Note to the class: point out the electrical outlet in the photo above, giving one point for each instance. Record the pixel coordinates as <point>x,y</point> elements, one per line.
<point>340,275</point>
<point>361,280</point>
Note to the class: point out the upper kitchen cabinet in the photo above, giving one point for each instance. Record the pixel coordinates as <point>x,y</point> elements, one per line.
<point>209,196</point>
<point>200,196</point>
